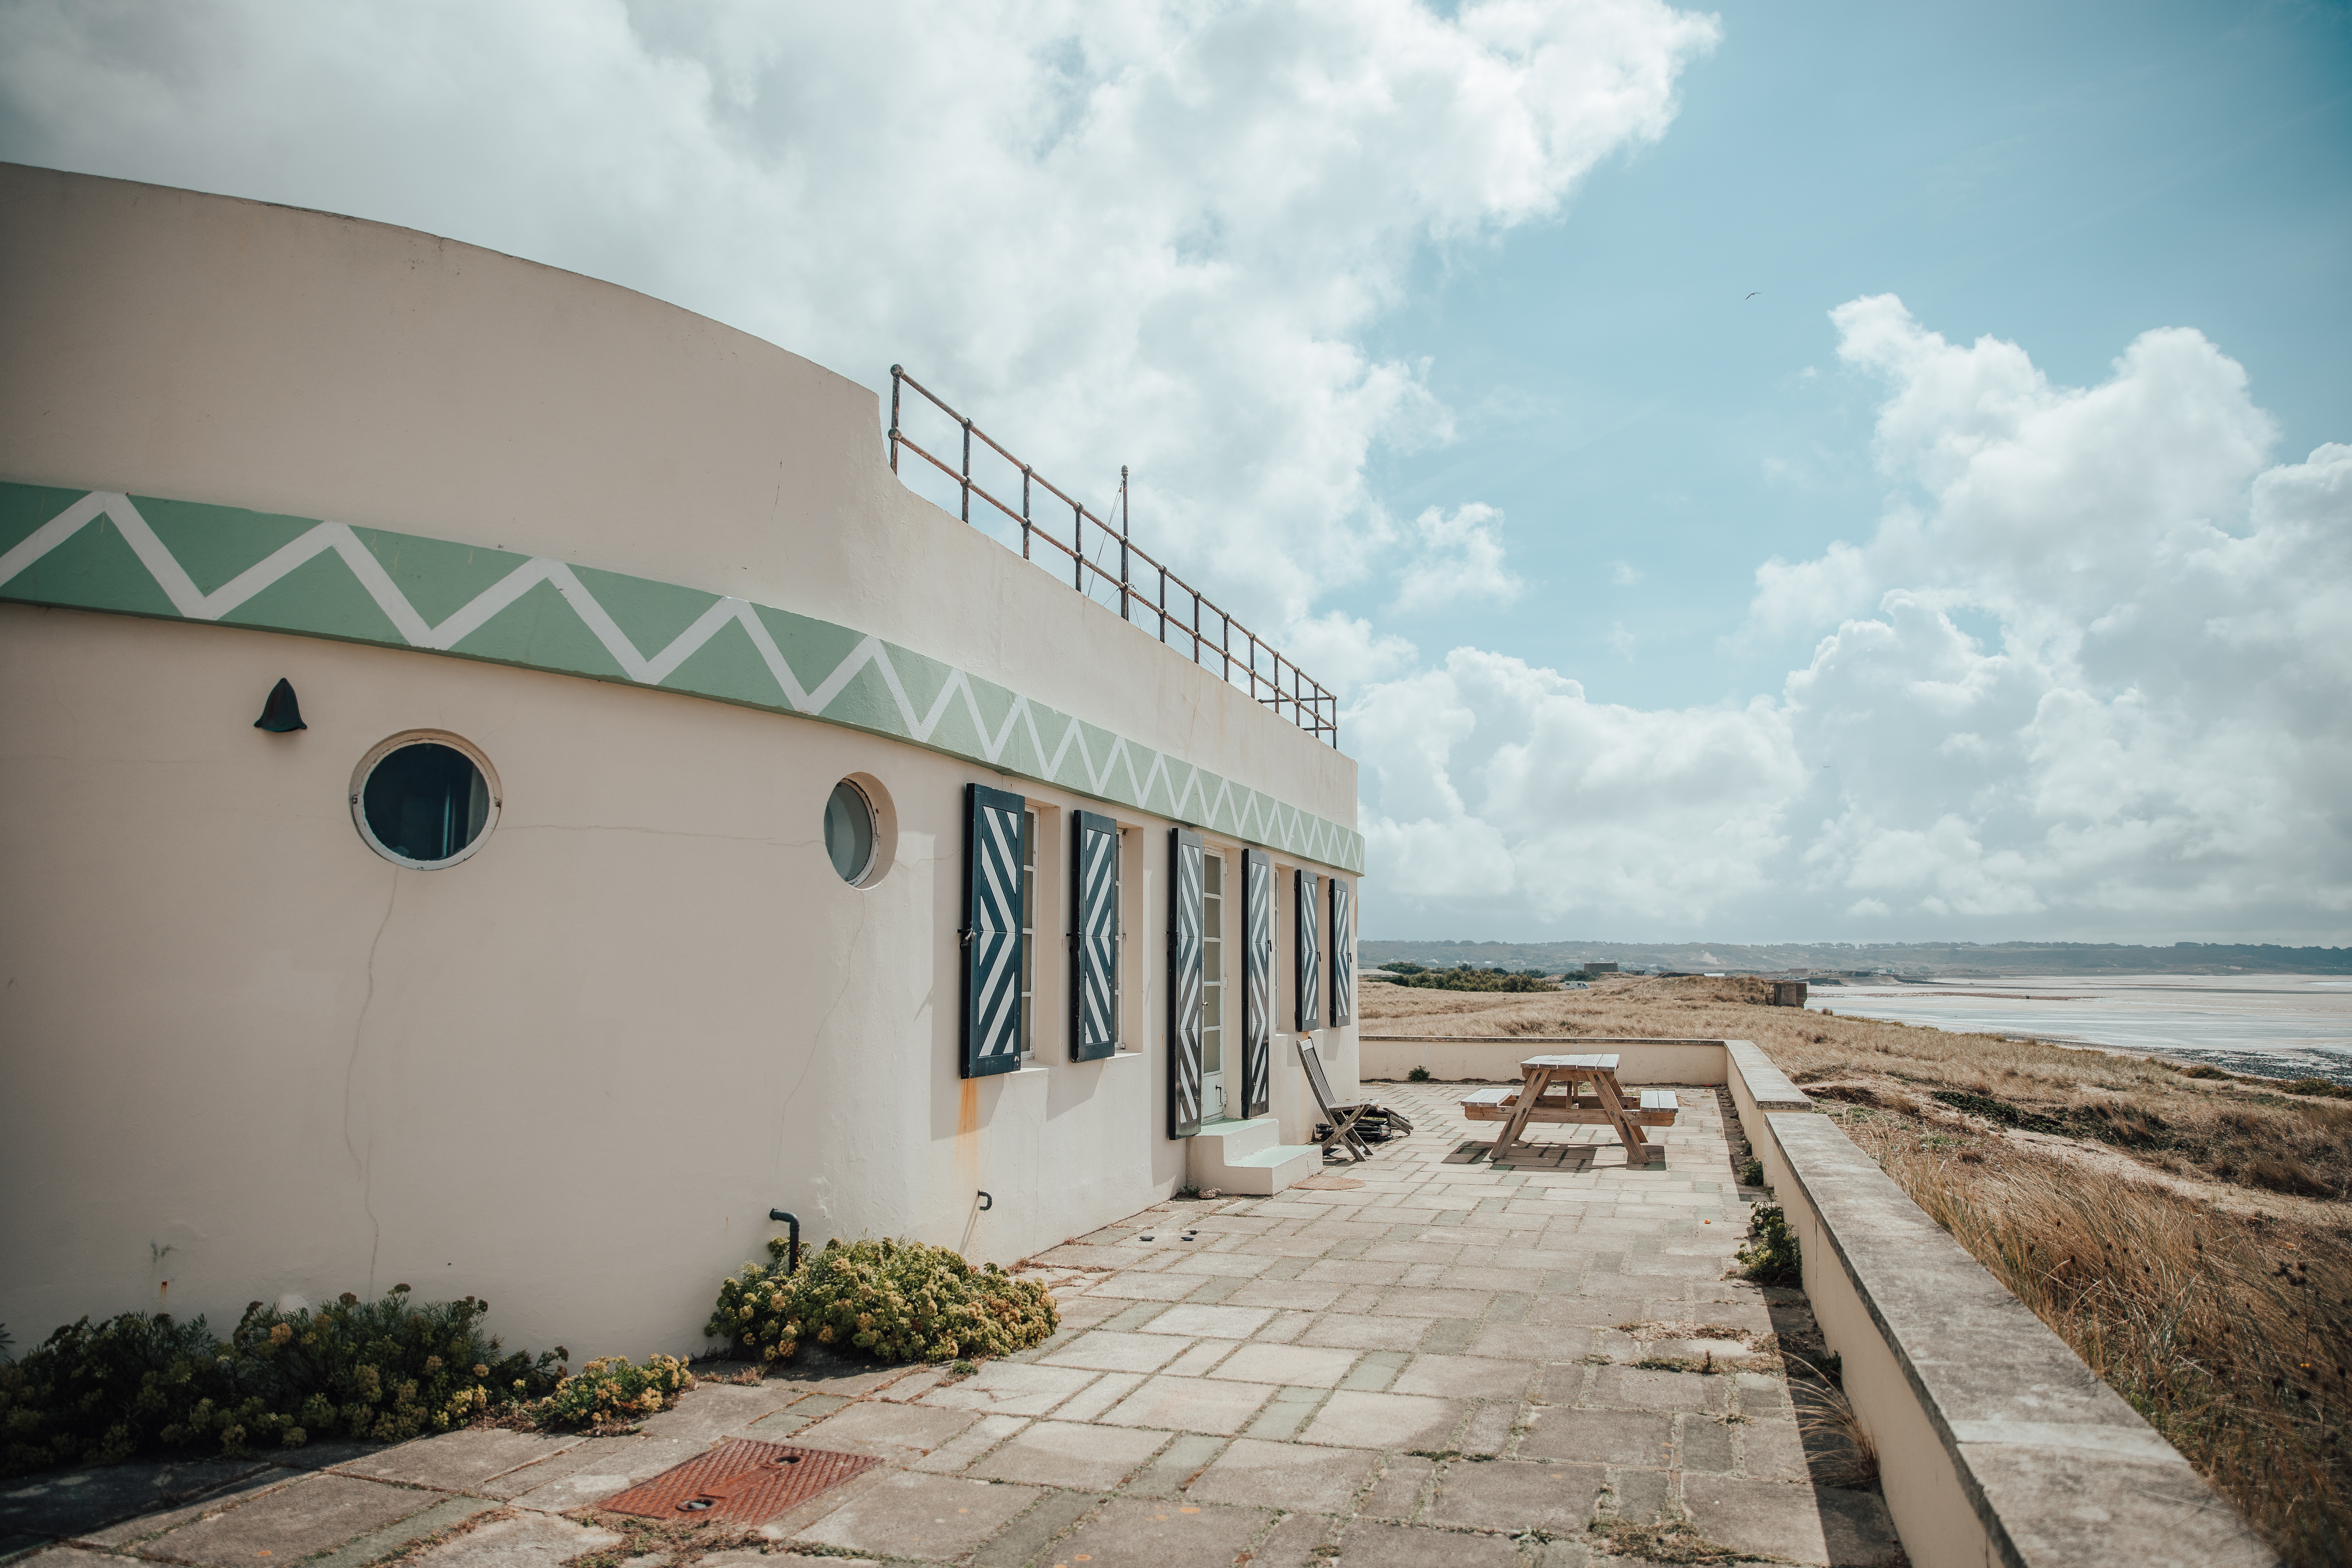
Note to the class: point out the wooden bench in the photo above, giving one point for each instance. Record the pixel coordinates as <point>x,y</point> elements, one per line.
<point>1658,1107</point>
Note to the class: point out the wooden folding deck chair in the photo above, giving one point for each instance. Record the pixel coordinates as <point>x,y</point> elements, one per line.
<point>1342,1118</point>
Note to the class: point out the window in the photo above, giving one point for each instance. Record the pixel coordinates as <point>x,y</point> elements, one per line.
<point>424,800</point>
<point>849,831</point>
<point>1029,933</point>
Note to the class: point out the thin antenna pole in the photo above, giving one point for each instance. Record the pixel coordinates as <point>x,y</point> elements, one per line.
<point>1122,543</point>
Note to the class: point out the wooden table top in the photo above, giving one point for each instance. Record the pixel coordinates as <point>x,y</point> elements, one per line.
<point>1592,1063</point>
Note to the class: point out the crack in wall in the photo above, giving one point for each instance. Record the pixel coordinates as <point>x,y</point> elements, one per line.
<point>351,1069</point>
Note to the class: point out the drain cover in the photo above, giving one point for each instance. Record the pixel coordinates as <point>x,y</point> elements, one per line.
<point>741,1481</point>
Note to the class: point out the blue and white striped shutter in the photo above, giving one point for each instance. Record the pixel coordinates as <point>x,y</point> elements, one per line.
<point>1343,953</point>
<point>994,823</point>
<point>1094,980</point>
<point>1310,953</point>
<point>1257,998</point>
<point>1183,982</point>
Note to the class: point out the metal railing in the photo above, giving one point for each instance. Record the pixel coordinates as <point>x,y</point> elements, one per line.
<point>1142,582</point>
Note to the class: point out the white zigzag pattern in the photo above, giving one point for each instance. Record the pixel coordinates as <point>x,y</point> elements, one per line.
<point>198,606</point>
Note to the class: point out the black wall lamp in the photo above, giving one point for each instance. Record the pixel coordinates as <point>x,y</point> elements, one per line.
<point>281,712</point>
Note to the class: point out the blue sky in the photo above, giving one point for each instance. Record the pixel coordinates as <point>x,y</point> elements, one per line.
<point>2063,176</point>
<point>1985,575</point>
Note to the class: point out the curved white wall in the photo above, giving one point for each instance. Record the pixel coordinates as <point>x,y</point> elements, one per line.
<point>246,1056</point>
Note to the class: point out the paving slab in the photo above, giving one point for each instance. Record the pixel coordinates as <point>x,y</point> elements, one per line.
<point>1107,1350</point>
<point>1367,1545</point>
<point>1513,1496</point>
<point>449,1514</point>
<point>1028,1537</point>
<point>1011,1388</point>
<point>461,1460</point>
<point>1201,1321</point>
<point>975,1440</point>
<point>563,1461</point>
<point>1258,1474</point>
<point>1190,1404</point>
<point>1304,1366</point>
<point>522,1541</point>
<point>1070,1453</point>
<point>614,1469</point>
<point>1641,1388</point>
<point>313,1515</point>
<point>1140,1533</point>
<point>716,1410</point>
<point>1827,1525</point>
<point>930,1518</point>
<point>1355,1419</point>
<point>901,1433</point>
<point>1598,1437</point>
<point>1466,1377</point>
<point>1348,1331</point>
<point>85,1499</point>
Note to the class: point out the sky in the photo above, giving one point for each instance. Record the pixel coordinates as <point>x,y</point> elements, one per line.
<point>1832,472</point>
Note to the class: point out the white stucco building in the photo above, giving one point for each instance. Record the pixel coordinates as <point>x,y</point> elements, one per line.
<point>674,792</point>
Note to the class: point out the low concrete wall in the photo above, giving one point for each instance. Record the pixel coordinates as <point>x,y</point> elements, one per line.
<point>1461,1058</point>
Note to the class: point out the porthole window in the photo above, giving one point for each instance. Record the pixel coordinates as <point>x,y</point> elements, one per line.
<point>424,800</point>
<point>849,831</point>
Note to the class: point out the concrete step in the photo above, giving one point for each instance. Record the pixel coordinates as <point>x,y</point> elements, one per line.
<point>1246,1161</point>
<point>1238,1135</point>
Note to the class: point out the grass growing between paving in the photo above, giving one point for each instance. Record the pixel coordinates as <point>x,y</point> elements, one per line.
<point>2188,1232</point>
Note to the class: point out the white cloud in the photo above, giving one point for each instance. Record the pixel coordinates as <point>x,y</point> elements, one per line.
<point>1150,234</point>
<point>2152,742</point>
<point>1460,557</point>
<point>1625,574</point>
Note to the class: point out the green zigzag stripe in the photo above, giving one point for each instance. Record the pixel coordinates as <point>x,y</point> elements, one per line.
<point>97,550</point>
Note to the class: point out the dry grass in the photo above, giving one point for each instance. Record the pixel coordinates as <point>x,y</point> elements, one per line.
<point>2277,1149</point>
<point>2190,1238</point>
<point>2232,1337</point>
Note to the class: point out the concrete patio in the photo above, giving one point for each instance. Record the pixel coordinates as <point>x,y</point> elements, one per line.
<point>1440,1363</point>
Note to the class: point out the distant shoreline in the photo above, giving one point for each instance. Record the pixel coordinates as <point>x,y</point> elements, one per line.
<point>1885,960</point>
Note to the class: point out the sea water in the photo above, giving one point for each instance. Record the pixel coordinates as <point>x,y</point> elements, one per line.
<point>2267,1026</point>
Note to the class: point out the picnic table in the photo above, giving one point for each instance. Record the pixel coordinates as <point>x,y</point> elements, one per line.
<point>1572,1090</point>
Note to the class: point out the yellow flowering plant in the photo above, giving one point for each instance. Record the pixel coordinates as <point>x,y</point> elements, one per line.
<point>610,1393</point>
<point>894,1301</point>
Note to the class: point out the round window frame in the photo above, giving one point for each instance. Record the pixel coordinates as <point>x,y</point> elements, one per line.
<point>391,743</point>
<point>884,815</point>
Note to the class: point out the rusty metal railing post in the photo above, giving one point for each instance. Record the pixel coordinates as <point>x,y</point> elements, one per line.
<point>898,374</point>
<point>967,468</point>
<point>1024,511</point>
<point>1122,543</point>
<point>1079,547</point>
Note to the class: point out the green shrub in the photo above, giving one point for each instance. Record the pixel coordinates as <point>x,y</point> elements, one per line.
<point>1771,1256</point>
<point>1751,1174</point>
<point>895,1301</point>
<point>1469,979</point>
<point>381,1370</point>
<point>2318,1085</point>
<point>1418,1075</point>
<point>610,1391</point>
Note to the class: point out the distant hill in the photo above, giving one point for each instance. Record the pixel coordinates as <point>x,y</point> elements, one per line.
<point>1898,958</point>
